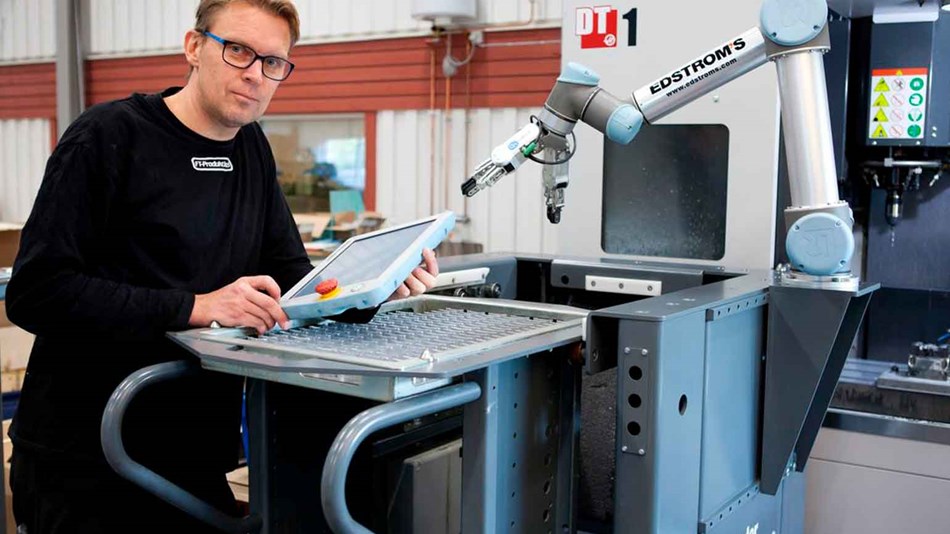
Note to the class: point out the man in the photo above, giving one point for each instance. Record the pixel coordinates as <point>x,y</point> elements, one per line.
<point>133,234</point>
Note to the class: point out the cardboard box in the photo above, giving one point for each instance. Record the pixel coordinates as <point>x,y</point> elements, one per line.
<point>4,320</point>
<point>311,225</point>
<point>8,495</point>
<point>9,243</point>
<point>12,380</point>
<point>240,485</point>
<point>15,347</point>
<point>347,224</point>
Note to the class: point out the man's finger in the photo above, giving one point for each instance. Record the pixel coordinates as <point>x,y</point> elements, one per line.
<point>260,326</point>
<point>423,276</point>
<point>432,265</point>
<point>256,314</point>
<point>265,283</point>
<point>270,306</point>
<point>415,286</point>
<point>245,319</point>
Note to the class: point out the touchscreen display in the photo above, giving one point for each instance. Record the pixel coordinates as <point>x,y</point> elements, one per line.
<point>366,259</point>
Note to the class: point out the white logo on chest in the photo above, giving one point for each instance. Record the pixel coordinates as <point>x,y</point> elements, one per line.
<point>212,164</point>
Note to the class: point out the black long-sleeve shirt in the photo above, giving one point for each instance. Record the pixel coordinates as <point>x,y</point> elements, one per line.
<point>137,214</point>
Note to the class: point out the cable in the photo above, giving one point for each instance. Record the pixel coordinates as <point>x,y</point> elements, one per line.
<point>450,65</point>
<point>572,147</point>
<point>570,154</point>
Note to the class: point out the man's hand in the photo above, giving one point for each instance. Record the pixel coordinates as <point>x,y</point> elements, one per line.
<point>249,301</point>
<point>421,279</point>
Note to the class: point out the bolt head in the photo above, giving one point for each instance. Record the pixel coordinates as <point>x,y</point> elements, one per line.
<point>644,352</point>
<point>626,350</point>
<point>623,449</point>
<point>641,452</point>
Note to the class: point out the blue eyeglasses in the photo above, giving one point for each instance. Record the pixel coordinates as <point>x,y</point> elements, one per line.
<point>243,56</point>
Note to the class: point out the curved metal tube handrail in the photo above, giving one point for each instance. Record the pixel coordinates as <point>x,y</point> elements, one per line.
<point>111,436</point>
<point>333,482</point>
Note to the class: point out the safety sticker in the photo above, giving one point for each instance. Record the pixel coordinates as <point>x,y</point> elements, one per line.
<point>898,103</point>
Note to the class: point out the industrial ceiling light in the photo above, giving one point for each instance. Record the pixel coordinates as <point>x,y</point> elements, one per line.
<point>945,5</point>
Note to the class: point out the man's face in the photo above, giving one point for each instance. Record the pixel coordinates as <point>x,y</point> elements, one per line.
<point>231,96</point>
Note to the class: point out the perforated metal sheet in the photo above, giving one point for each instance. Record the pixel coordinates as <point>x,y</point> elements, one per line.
<point>406,338</point>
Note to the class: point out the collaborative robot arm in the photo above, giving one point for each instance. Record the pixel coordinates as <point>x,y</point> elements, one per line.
<point>505,159</point>
<point>535,138</point>
<point>793,34</point>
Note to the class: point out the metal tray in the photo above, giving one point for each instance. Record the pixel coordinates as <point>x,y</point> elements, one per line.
<point>426,336</point>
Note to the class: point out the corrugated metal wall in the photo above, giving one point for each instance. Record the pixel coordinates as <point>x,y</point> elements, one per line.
<point>23,155</point>
<point>130,27</point>
<point>137,26</point>
<point>26,31</point>
<point>422,160</point>
<point>28,91</point>
<point>372,75</point>
<point>27,102</point>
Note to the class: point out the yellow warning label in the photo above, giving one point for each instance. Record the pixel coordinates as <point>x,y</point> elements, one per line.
<point>879,133</point>
<point>881,87</point>
<point>881,116</point>
<point>881,102</point>
<point>900,72</point>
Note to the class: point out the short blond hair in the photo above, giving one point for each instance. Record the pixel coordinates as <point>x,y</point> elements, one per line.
<point>284,9</point>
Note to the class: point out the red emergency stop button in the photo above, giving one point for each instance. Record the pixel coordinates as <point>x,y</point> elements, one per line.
<point>327,286</point>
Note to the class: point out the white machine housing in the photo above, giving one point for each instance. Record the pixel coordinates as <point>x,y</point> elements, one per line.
<point>671,34</point>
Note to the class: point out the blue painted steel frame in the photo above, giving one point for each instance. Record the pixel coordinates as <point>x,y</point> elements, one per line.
<point>518,467</point>
<point>701,350</point>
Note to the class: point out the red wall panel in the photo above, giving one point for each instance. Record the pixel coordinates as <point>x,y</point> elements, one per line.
<point>372,75</point>
<point>28,91</point>
<point>335,77</point>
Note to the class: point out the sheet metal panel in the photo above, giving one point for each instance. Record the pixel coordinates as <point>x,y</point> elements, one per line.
<point>856,480</point>
<point>735,347</point>
<point>666,427</point>
<point>422,160</point>
<point>23,155</point>
<point>26,31</point>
